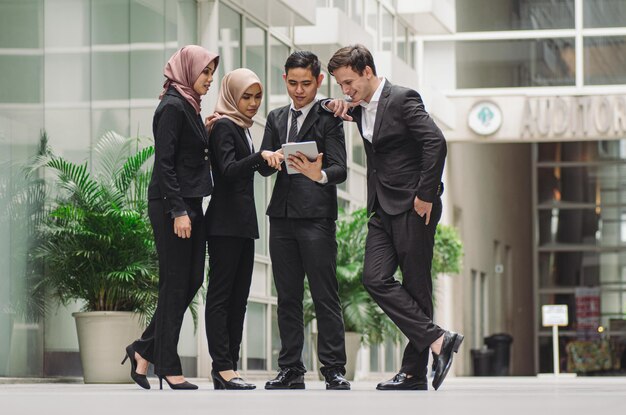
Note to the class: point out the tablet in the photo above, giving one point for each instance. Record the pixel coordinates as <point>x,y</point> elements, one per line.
<point>308,148</point>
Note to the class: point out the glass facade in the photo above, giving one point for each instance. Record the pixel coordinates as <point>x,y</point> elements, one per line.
<point>581,244</point>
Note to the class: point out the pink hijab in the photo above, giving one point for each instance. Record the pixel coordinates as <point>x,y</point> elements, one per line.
<point>234,84</point>
<point>183,69</point>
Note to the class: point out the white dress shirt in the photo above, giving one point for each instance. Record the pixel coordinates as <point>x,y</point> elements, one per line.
<point>299,121</point>
<point>369,112</point>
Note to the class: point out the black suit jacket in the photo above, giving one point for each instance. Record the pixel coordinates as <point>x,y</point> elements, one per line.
<point>231,211</point>
<point>297,196</point>
<point>182,167</point>
<point>407,153</point>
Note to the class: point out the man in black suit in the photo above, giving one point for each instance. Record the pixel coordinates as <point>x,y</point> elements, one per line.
<point>302,212</point>
<point>405,158</point>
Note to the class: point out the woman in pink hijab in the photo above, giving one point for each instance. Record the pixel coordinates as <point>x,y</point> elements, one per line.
<point>180,179</point>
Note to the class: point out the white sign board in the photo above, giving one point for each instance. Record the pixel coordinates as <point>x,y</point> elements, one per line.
<point>554,315</point>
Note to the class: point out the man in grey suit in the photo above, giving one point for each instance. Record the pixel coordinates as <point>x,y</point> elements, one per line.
<point>405,159</point>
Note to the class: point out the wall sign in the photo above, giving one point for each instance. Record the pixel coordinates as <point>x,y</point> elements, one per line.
<point>484,118</point>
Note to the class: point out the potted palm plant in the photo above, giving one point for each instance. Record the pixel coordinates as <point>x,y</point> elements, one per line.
<point>97,246</point>
<point>364,320</point>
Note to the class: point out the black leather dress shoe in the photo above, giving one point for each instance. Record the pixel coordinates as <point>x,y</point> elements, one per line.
<point>451,344</point>
<point>401,382</point>
<point>234,384</point>
<point>335,380</point>
<point>288,378</point>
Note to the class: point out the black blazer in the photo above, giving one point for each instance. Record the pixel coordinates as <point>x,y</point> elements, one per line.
<point>407,153</point>
<point>297,196</point>
<point>181,161</point>
<point>231,211</point>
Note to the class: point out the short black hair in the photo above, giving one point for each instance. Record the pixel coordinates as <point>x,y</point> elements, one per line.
<point>304,59</point>
<point>356,57</point>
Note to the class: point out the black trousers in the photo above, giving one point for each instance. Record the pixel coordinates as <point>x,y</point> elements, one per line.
<point>231,260</point>
<point>181,273</point>
<point>404,240</point>
<point>299,247</point>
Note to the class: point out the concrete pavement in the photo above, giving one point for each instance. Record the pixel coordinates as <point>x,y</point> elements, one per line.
<point>461,395</point>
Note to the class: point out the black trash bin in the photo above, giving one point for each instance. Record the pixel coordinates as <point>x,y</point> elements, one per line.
<point>501,345</point>
<point>482,361</point>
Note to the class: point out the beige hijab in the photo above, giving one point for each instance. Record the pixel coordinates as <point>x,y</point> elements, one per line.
<point>234,84</point>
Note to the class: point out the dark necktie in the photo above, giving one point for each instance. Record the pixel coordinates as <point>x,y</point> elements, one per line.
<point>293,129</point>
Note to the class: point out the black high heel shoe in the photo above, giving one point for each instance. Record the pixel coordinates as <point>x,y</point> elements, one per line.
<point>236,383</point>
<point>140,380</point>
<point>180,386</point>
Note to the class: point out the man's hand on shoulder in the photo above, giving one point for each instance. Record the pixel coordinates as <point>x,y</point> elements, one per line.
<point>340,108</point>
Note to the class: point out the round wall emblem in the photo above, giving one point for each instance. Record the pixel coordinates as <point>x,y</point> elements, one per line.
<point>484,118</point>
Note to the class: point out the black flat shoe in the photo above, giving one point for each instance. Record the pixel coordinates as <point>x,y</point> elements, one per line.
<point>140,380</point>
<point>451,344</point>
<point>236,383</point>
<point>178,386</point>
<point>288,378</point>
<point>335,380</point>
<point>400,382</point>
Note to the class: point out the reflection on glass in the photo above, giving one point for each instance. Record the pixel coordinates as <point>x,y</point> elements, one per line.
<point>256,335</point>
<point>147,21</point>
<point>146,73</point>
<point>276,344</point>
<point>491,15</point>
<point>515,63</point>
<point>604,13</point>
<point>111,70</point>
<point>20,24</point>
<point>605,60</point>
<point>255,56</point>
<point>371,17</point>
<point>357,11</point>
<point>229,40</point>
<point>387,29</point>
<point>374,365</point>
<point>401,41</point>
<point>279,52</point>
<point>358,151</point>
<point>112,25</point>
<point>22,79</point>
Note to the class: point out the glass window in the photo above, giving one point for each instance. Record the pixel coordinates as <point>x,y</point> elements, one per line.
<point>147,21</point>
<point>358,150</point>
<point>515,63</point>
<point>256,335</point>
<point>387,29</point>
<point>492,15</point>
<point>71,15</point>
<point>229,40</point>
<point>111,70</point>
<point>276,343</point>
<point>371,18</point>
<point>20,24</point>
<point>279,52</point>
<point>605,60</point>
<point>341,4</point>
<point>401,41</point>
<point>22,79</point>
<point>604,13</point>
<point>260,196</point>
<point>110,22</point>
<point>256,55</point>
<point>356,10</point>
<point>374,365</point>
<point>146,73</point>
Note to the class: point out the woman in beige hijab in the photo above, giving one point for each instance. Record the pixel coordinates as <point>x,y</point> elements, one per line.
<point>232,222</point>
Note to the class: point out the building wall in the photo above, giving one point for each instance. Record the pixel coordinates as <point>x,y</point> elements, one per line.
<point>489,198</point>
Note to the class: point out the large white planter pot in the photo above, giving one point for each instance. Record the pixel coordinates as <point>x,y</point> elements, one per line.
<point>353,344</point>
<point>102,338</point>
